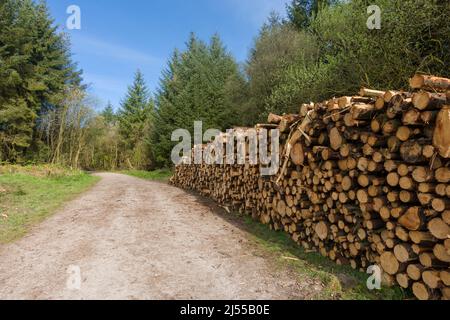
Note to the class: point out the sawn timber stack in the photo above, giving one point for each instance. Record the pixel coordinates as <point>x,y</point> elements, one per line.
<point>363,180</point>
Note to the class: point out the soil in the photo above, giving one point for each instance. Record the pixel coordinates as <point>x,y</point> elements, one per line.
<point>130,238</point>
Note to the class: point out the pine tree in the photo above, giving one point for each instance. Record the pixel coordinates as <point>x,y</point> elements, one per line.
<point>166,116</point>
<point>35,69</point>
<point>302,12</point>
<point>108,114</point>
<point>193,88</point>
<point>135,119</point>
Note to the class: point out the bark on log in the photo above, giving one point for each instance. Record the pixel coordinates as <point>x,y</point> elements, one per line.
<point>441,138</point>
<point>274,119</point>
<point>429,82</point>
<point>364,92</point>
<point>426,100</point>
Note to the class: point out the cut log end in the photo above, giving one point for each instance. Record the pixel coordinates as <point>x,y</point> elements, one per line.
<point>422,292</point>
<point>390,263</point>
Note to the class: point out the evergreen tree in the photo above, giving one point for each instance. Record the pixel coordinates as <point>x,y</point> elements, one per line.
<point>193,88</point>
<point>35,68</point>
<point>135,119</point>
<point>167,118</point>
<point>302,12</point>
<point>108,114</point>
<point>298,12</point>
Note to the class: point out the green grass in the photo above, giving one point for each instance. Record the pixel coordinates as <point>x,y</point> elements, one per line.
<point>341,282</point>
<point>157,175</point>
<point>29,195</point>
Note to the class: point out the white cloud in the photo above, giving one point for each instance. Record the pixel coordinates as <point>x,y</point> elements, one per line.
<point>106,88</point>
<point>257,11</point>
<point>105,83</point>
<point>93,46</point>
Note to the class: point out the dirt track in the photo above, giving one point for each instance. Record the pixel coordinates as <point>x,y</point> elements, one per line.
<point>135,239</point>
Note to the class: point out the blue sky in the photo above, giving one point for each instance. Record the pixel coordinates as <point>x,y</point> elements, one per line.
<point>118,36</point>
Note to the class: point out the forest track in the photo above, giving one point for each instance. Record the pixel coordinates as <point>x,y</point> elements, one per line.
<point>136,239</point>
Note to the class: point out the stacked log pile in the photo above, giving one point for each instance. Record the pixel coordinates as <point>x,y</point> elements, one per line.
<point>363,180</point>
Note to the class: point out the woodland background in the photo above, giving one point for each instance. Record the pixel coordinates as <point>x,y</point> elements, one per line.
<point>321,49</point>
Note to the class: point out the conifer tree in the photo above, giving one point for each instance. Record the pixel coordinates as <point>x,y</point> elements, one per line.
<point>135,118</point>
<point>193,88</point>
<point>108,114</point>
<point>35,69</point>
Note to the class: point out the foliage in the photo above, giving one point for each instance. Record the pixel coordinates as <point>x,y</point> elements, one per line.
<point>278,48</point>
<point>40,171</point>
<point>109,115</point>
<point>340,54</point>
<point>340,282</point>
<point>103,151</point>
<point>302,12</point>
<point>135,119</point>
<point>157,175</point>
<point>30,194</point>
<point>35,67</point>
<point>192,88</point>
<point>66,129</point>
<point>322,49</point>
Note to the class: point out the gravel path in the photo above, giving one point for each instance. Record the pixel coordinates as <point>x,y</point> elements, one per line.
<point>129,238</point>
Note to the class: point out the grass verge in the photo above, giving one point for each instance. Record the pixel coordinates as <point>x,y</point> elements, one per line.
<point>157,175</point>
<point>340,282</point>
<point>28,195</point>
